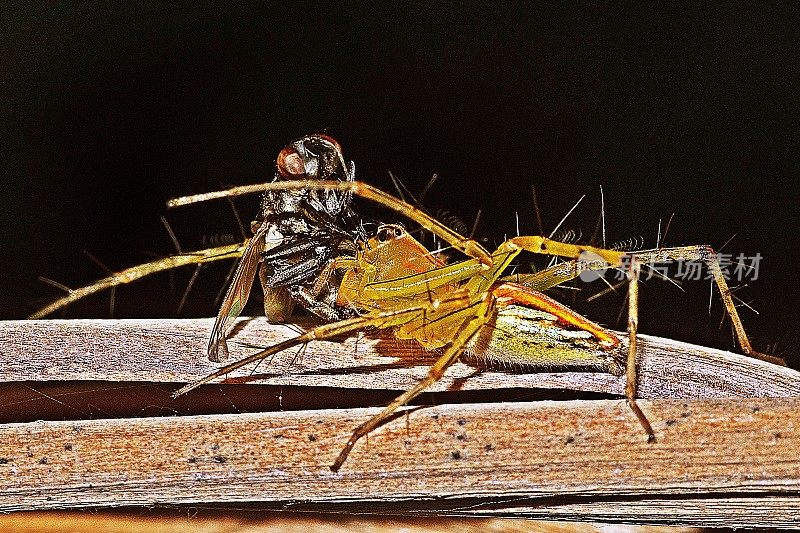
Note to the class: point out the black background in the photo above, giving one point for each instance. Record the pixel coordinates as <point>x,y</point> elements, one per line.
<point>109,111</point>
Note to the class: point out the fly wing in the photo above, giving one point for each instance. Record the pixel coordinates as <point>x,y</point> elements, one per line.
<point>237,295</point>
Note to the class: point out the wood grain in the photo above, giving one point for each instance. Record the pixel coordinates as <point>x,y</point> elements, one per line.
<point>728,431</point>
<point>172,350</point>
<point>570,460</point>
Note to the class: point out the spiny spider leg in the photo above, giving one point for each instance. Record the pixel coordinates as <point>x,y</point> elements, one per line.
<point>563,272</point>
<point>128,275</point>
<point>631,369</point>
<point>435,373</point>
<point>378,320</point>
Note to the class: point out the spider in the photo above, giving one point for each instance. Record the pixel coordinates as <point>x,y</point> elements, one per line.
<point>395,282</point>
<point>295,236</point>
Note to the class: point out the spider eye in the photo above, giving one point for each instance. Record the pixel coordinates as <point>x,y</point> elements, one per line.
<point>389,232</point>
<point>290,164</point>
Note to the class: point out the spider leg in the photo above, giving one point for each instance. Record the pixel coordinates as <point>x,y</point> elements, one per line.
<point>466,245</point>
<point>516,293</point>
<point>555,275</point>
<point>563,272</point>
<point>542,245</point>
<point>451,355</point>
<point>631,370</point>
<point>379,320</point>
<point>128,275</point>
<point>707,255</point>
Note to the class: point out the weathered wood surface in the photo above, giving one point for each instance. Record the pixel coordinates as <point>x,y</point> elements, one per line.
<point>717,461</point>
<point>172,350</point>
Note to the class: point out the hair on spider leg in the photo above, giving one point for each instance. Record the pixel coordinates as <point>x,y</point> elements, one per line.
<point>568,235</point>
<point>398,186</point>
<point>537,210</point>
<point>189,285</point>
<point>238,218</point>
<point>299,355</point>
<point>112,297</point>
<point>631,244</point>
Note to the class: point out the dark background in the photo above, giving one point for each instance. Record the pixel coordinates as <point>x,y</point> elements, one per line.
<point>109,111</point>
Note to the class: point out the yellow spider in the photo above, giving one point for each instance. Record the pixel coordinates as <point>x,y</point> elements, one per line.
<point>394,282</point>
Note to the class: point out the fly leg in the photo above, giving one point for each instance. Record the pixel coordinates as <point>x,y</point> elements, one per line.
<point>321,297</point>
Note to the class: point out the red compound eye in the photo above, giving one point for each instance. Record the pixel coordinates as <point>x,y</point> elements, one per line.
<point>290,164</point>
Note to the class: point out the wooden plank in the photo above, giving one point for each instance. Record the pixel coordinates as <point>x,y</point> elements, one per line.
<point>723,457</point>
<point>171,350</point>
<point>716,462</point>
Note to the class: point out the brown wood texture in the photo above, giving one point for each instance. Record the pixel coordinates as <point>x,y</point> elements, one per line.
<point>711,465</point>
<point>172,350</point>
<point>723,457</point>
